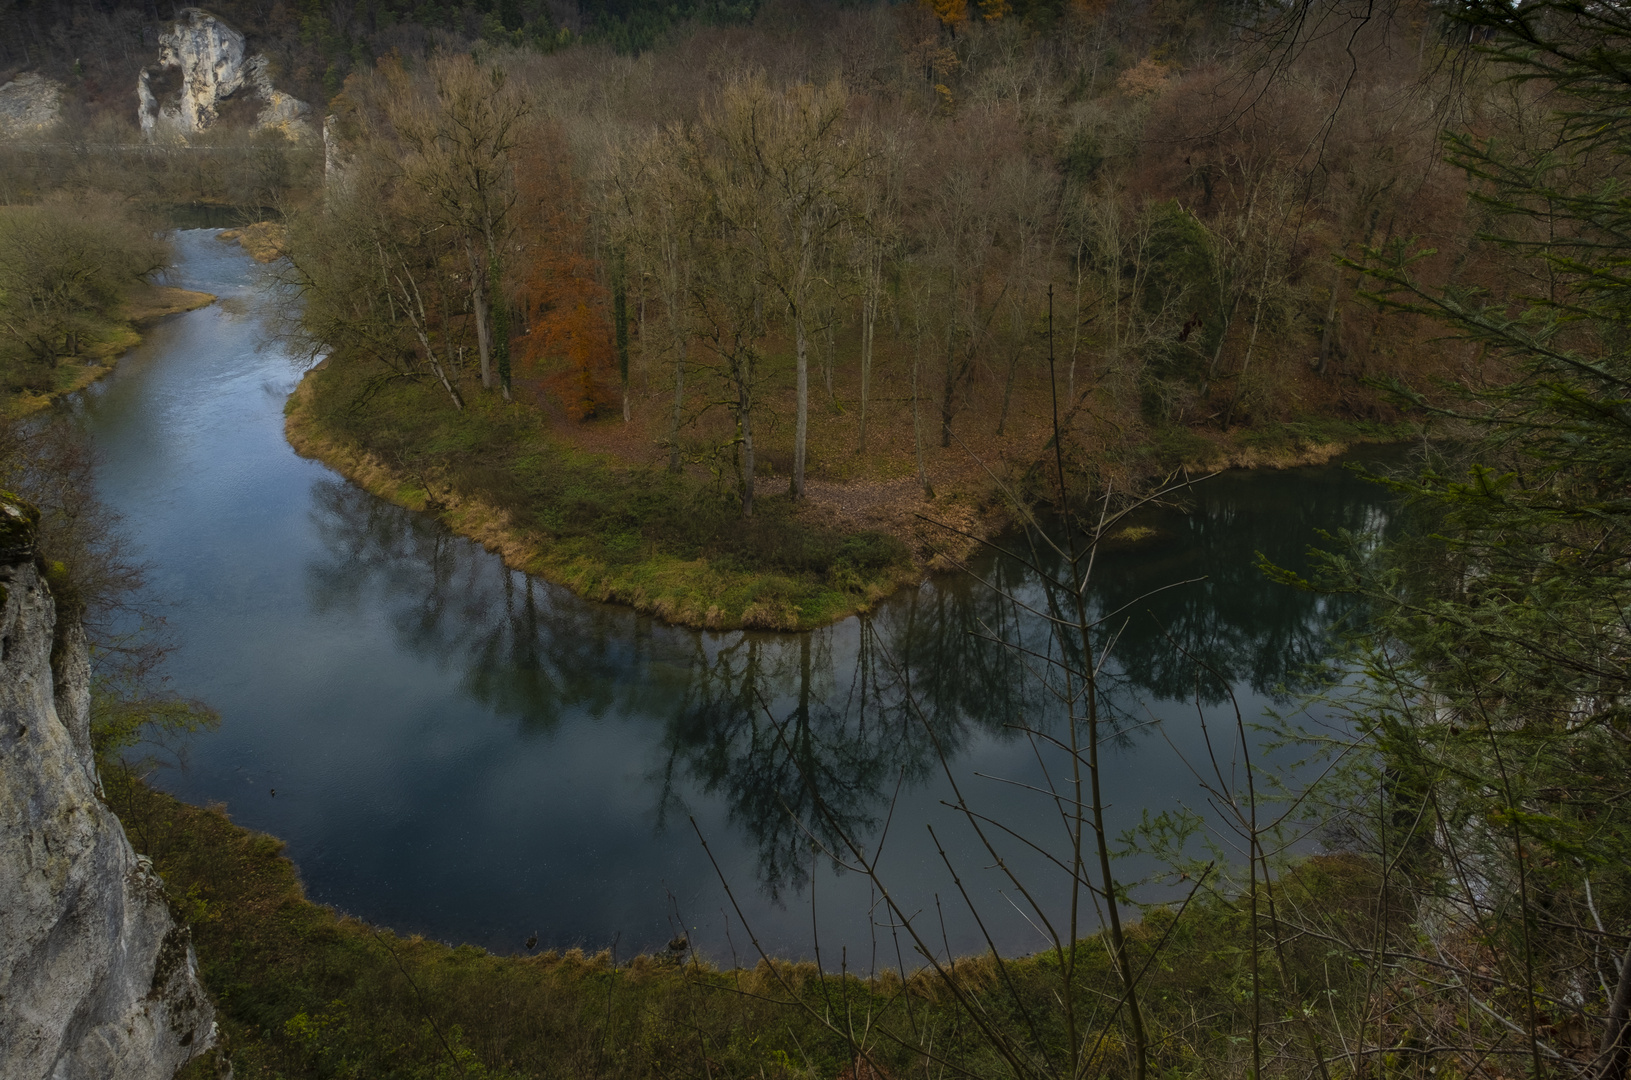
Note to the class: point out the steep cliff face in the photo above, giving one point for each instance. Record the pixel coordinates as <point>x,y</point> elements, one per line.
<point>209,55</point>
<point>96,978</point>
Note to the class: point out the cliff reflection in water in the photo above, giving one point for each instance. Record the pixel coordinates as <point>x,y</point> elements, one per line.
<point>768,724</point>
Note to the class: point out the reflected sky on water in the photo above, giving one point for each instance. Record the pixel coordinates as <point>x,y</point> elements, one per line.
<point>460,751</point>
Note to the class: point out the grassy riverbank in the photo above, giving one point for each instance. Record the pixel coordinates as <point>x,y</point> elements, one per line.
<point>672,545</point>
<point>265,241</point>
<point>99,353</point>
<point>585,506</point>
<point>75,288</point>
<point>304,991</point>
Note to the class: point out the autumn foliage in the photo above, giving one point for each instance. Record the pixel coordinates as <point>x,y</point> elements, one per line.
<point>954,13</point>
<point>565,350</point>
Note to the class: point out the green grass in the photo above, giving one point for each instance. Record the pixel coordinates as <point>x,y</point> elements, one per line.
<point>670,544</point>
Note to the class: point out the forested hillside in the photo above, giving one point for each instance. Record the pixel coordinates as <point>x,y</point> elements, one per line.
<point>807,265</point>
<point>826,257</point>
<point>815,267</point>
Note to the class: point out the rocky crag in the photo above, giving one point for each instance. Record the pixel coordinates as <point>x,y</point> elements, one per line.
<point>97,980</point>
<point>209,55</point>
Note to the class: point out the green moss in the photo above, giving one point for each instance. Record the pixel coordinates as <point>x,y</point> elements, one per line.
<point>63,590</point>
<point>19,526</point>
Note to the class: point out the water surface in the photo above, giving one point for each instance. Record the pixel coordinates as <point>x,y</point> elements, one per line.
<point>459,751</point>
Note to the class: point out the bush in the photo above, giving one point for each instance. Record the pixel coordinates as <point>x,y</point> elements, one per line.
<point>66,267</point>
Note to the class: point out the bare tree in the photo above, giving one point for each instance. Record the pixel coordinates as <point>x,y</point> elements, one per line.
<point>1132,311</point>
<point>875,233</point>
<point>458,133</point>
<point>789,149</point>
<point>650,193</point>
<point>372,276</point>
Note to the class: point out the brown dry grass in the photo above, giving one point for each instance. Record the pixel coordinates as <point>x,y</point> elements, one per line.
<point>147,302</point>
<point>264,240</point>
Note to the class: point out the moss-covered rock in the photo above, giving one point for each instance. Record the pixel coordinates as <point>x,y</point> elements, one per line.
<point>19,528</point>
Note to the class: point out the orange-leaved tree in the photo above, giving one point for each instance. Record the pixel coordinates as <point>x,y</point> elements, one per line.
<point>951,13</point>
<point>566,347</point>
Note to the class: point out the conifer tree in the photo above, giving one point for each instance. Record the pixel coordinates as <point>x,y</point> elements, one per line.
<point>1499,661</point>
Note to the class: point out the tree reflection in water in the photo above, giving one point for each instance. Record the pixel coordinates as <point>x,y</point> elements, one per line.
<point>770,723</point>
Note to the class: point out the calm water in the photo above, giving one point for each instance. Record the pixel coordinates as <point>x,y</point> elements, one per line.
<point>462,752</point>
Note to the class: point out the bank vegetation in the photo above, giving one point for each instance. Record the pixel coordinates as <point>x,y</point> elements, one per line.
<point>76,279</point>
<point>835,271</point>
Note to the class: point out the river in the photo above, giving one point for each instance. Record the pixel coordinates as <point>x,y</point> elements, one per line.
<point>452,749</point>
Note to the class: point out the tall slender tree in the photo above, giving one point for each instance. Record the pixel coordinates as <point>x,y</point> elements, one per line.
<point>788,151</point>
<point>458,130</point>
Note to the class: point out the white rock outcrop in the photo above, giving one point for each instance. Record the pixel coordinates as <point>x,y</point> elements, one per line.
<point>336,160</point>
<point>96,978</point>
<point>210,57</point>
<point>30,103</point>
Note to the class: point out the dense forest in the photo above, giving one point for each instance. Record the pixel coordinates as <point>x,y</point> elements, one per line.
<point>743,315</point>
<point>930,200</point>
<point>832,264</point>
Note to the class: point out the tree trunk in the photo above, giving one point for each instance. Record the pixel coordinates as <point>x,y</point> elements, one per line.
<point>1008,393</point>
<point>620,325</point>
<point>500,315</point>
<point>1613,1054</point>
<point>679,405</point>
<point>436,368</point>
<point>1217,352</point>
<point>411,296</point>
<point>1075,334</point>
<point>801,428</point>
<point>1251,343</point>
<point>499,310</point>
<point>478,303</point>
<point>1328,334</point>
<point>744,423</point>
<point>869,320</point>
<point>917,420</point>
<point>1017,331</point>
<point>832,346</point>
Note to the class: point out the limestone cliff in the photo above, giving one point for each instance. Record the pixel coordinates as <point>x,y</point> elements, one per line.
<point>210,57</point>
<point>96,978</point>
